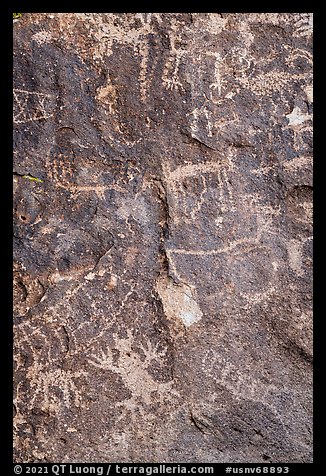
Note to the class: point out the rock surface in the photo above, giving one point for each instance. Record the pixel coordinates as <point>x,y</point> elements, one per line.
<point>162,260</point>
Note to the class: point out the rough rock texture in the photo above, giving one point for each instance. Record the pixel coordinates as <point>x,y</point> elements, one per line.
<point>162,269</point>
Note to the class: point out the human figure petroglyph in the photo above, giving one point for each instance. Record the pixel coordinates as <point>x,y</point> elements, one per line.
<point>133,369</point>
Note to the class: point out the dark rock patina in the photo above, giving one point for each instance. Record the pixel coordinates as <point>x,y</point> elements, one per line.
<point>162,261</point>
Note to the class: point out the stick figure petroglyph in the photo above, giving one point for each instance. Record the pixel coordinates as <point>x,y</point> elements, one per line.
<point>186,182</point>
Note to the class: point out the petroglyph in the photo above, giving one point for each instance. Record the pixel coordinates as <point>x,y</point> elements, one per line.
<point>31,106</point>
<point>191,170</point>
<point>133,367</point>
<point>211,175</point>
<point>55,388</point>
<point>309,92</point>
<point>179,301</point>
<point>239,381</point>
<point>303,26</point>
<point>254,284</point>
<point>107,95</point>
<point>299,54</point>
<point>42,37</point>
<point>170,75</point>
<point>201,121</point>
<point>62,172</point>
<point>225,191</point>
<point>218,81</point>
<point>99,190</point>
<point>143,53</point>
<point>265,84</point>
<point>61,167</point>
<point>163,265</point>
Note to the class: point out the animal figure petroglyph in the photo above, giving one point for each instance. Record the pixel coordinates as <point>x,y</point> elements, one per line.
<point>185,201</point>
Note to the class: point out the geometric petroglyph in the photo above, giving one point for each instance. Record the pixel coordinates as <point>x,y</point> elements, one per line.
<point>61,166</point>
<point>221,218</point>
<point>171,72</point>
<point>183,185</point>
<point>61,162</point>
<point>30,106</point>
<point>171,68</point>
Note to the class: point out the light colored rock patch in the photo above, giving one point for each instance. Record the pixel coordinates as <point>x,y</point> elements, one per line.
<point>107,95</point>
<point>179,301</point>
<point>297,117</point>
